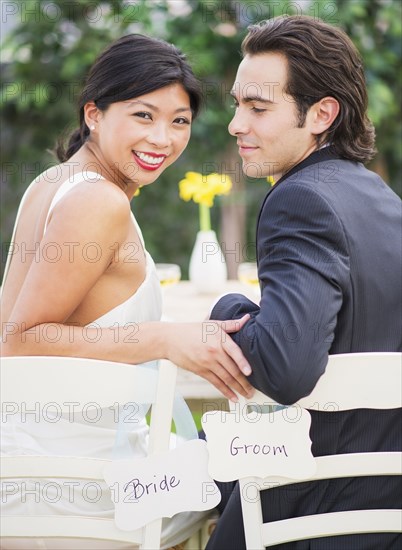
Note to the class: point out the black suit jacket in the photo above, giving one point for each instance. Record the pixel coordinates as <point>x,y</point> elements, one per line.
<point>330,269</point>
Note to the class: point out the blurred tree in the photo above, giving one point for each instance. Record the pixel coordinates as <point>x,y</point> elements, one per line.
<point>375,26</point>
<point>47,55</point>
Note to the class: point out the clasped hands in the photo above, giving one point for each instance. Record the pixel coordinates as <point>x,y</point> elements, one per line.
<point>207,350</point>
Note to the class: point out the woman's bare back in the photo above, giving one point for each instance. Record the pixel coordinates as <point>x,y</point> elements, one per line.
<point>121,278</point>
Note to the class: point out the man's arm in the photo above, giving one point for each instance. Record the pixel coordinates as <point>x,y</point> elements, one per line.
<point>303,267</point>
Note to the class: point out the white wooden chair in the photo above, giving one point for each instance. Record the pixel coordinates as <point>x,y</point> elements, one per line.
<point>351,381</point>
<point>64,380</point>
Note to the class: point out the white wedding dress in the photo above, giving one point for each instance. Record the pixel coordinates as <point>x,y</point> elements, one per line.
<point>33,435</point>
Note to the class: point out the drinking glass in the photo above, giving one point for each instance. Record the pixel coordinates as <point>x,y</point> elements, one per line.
<point>168,274</point>
<point>247,273</point>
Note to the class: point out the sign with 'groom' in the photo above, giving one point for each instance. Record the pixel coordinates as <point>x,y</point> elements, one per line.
<point>161,485</point>
<point>259,445</point>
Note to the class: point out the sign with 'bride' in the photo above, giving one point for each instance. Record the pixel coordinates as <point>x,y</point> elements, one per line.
<point>260,445</point>
<point>161,485</point>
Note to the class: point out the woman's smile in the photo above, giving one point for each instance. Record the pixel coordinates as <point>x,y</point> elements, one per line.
<point>149,161</point>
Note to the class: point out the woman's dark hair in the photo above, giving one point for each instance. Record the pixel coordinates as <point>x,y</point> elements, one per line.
<point>132,66</point>
<point>322,61</point>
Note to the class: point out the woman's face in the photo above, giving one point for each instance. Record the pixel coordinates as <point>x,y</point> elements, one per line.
<point>139,138</point>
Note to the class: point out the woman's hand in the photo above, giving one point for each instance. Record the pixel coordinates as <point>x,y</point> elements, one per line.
<point>207,350</point>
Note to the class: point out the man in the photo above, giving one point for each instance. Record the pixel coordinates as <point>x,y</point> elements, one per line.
<point>329,259</point>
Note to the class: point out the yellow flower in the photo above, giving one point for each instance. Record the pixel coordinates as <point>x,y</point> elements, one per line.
<point>271,180</point>
<point>202,190</point>
<point>220,183</point>
<point>189,185</point>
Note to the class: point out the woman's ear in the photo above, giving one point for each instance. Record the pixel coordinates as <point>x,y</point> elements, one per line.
<point>91,114</point>
<point>324,113</point>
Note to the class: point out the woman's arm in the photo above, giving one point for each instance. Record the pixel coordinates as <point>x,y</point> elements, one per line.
<point>52,291</point>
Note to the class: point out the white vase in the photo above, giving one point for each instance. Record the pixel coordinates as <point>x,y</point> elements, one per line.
<point>207,270</point>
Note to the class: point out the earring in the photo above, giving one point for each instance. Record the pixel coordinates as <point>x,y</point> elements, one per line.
<point>92,127</point>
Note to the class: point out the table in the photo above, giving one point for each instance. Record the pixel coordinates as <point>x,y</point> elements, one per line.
<point>182,302</point>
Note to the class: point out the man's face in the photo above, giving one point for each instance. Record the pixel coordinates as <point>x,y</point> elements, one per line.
<point>266,118</point>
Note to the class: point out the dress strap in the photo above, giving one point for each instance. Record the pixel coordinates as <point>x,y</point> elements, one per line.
<point>138,229</point>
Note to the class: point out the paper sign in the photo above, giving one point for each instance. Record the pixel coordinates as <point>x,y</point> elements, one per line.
<point>262,445</point>
<point>161,485</point>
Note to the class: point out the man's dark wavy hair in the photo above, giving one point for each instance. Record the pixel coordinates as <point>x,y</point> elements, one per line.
<point>322,61</point>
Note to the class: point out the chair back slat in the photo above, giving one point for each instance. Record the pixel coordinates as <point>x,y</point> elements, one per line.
<point>66,527</point>
<point>332,524</point>
<point>351,381</point>
<point>67,380</point>
<point>27,466</point>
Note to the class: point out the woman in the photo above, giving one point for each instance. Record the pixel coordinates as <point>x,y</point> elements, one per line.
<point>91,266</point>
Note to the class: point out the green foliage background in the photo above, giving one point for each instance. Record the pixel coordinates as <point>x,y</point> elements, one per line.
<point>46,56</point>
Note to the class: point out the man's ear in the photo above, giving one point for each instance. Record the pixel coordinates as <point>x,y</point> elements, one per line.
<point>91,114</point>
<point>323,114</point>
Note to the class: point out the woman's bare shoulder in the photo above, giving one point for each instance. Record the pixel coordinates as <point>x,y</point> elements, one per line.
<point>99,206</point>
<point>102,194</point>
